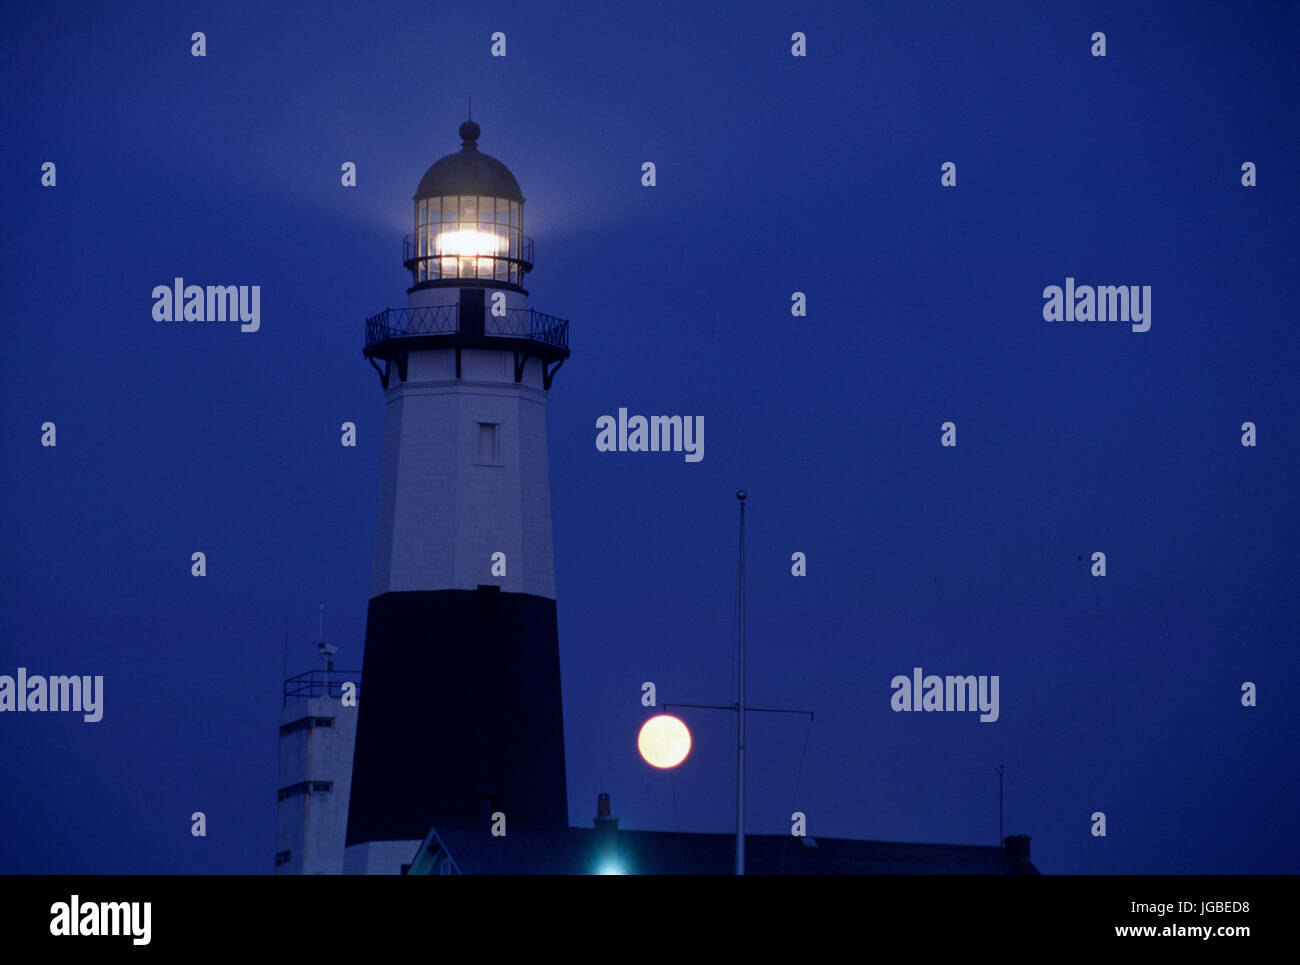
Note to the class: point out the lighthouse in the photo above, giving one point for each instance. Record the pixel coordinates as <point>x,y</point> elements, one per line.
<point>460,721</point>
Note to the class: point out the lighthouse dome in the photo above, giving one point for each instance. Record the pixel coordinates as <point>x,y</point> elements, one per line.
<point>469,172</point>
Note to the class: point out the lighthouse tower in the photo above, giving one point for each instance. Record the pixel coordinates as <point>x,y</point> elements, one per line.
<point>461,718</point>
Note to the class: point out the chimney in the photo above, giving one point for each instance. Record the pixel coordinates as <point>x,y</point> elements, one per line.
<point>1016,847</point>
<point>606,835</point>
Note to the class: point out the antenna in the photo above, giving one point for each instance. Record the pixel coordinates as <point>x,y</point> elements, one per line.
<point>324,649</point>
<point>470,111</point>
<point>1001,769</point>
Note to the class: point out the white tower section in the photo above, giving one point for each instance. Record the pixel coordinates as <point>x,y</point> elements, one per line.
<point>465,467</point>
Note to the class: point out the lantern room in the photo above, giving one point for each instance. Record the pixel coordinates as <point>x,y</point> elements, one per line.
<point>469,221</point>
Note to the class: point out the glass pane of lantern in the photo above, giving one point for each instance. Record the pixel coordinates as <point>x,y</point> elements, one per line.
<point>503,211</point>
<point>485,206</point>
<point>469,209</point>
<point>514,212</point>
<point>435,210</point>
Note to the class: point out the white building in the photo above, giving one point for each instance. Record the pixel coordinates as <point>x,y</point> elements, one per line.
<point>317,734</point>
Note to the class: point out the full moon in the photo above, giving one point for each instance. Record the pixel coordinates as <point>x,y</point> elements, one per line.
<point>664,741</point>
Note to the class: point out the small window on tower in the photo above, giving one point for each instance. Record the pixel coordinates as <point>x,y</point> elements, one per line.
<point>489,444</point>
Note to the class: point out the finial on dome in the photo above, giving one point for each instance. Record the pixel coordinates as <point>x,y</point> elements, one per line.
<point>469,132</point>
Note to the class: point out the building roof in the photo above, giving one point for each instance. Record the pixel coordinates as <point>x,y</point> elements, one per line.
<point>469,171</point>
<point>578,851</point>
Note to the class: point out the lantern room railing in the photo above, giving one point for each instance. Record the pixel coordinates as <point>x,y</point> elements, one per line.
<point>498,258</point>
<point>523,323</point>
<point>394,333</point>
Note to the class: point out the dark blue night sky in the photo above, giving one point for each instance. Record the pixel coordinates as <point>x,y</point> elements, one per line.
<point>775,174</point>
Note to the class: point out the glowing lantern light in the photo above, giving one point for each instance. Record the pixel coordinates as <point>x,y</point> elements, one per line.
<point>469,242</point>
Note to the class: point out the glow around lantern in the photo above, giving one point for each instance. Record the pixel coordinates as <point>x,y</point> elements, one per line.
<point>664,741</point>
